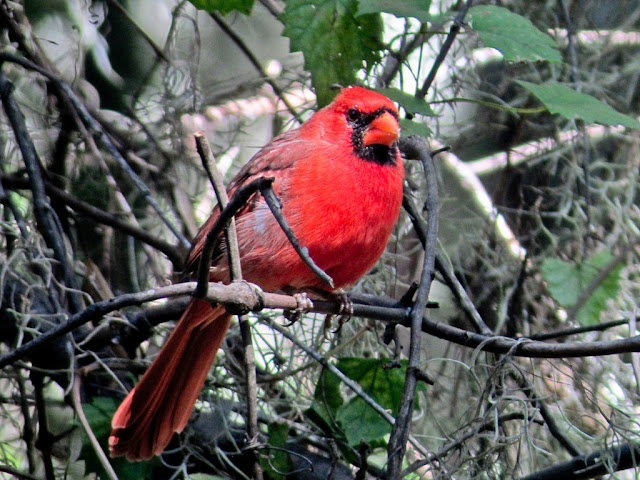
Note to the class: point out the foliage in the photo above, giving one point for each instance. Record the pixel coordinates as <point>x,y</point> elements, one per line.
<point>335,40</point>
<point>567,282</point>
<point>513,35</point>
<point>224,6</point>
<point>570,104</point>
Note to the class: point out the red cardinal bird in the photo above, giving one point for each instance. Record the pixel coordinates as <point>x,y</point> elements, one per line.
<point>339,177</point>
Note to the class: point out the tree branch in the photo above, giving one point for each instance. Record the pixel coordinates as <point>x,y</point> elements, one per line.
<point>415,147</point>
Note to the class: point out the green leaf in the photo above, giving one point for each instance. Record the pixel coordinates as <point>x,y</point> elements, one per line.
<point>564,101</point>
<point>278,463</point>
<point>409,8</point>
<point>326,401</point>
<point>410,103</point>
<point>566,281</point>
<point>513,35</point>
<point>359,421</point>
<point>355,420</point>
<point>224,6</point>
<point>410,127</point>
<point>336,43</point>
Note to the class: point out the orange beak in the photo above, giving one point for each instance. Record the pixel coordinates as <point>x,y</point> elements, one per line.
<point>383,130</point>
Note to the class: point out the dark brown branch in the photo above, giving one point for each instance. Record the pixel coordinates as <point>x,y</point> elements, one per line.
<point>239,200</point>
<point>17,473</point>
<point>241,296</point>
<point>353,385</point>
<point>577,330</point>
<point>276,209</point>
<point>235,269</point>
<point>394,61</point>
<point>217,182</point>
<point>547,416</point>
<point>449,277</point>
<point>415,147</point>
<point>593,465</point>
<point>45,439</point>
<point>458,442</point>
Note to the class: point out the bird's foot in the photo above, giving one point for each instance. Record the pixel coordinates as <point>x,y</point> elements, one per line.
<point>344,314</point>
<point>304,305</point>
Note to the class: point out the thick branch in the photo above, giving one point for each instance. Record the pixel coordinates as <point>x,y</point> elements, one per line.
<point>241,296</point>
<point>596,464</point>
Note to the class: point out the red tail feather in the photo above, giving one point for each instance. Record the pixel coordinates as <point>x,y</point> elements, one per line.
<point>161,403</point>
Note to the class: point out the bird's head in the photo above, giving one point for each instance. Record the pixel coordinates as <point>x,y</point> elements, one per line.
<point>371,122</point>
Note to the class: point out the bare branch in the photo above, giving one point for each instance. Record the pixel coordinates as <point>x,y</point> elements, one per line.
<point>416,147</point>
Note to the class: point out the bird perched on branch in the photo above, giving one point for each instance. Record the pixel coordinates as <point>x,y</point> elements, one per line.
<point>339,177</point>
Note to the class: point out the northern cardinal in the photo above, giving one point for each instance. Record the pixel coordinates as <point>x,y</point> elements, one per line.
<point>339,177</point>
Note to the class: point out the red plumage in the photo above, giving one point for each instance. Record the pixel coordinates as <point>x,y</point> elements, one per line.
<point>339,177</point>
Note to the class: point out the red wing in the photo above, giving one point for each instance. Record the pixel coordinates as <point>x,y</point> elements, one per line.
<point>279,154</point>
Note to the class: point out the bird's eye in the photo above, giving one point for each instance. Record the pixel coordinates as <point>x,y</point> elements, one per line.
<point>353,114</point>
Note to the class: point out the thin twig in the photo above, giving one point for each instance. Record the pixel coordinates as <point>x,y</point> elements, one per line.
<point>444,50</point>
<point>239,200</point>
<point>17,473</point>
<point>276,209</point>
<point>459,442</point>
<point>442,266</point>
<point>122,11</point>
<point>602,275</point>
<point>77,406</point>
<point>353,385</point>
<point>28,431</point>
<point>217,182</point>
<point>44,436</point>
<point>601,463</point>
<point>577,330</point>
<point>103,217</point>
<point>547,416</point>
<point>415,147</point>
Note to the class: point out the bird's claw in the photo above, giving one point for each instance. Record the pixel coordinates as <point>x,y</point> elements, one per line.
<point>345,312</point>
<point>304,305</point>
